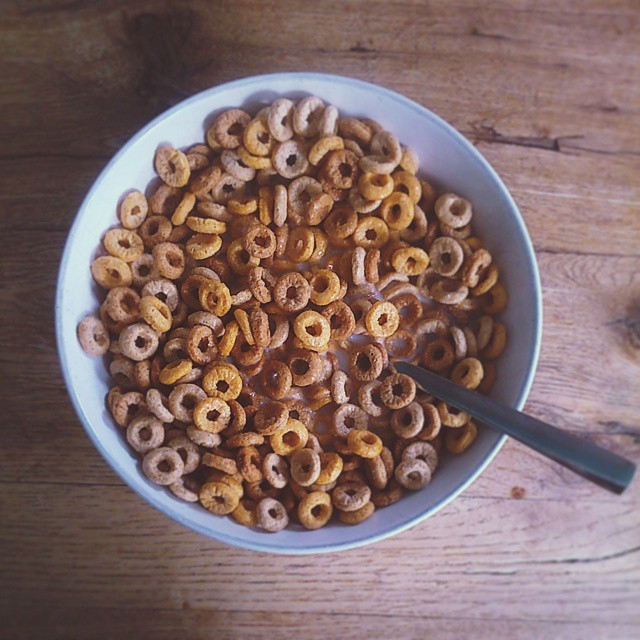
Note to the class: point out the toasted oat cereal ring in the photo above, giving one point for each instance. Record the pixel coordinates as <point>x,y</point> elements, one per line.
<point>124,244</point>
<point>375,186</point>
<point>198,157</point>
<point>291,292</point>
<point>142,374</point>
<point>269,417</point>
<point>448,291</point>
<point>341,387</point>
<point>259,490</point>
<point>238,419</point>
<point>145,433</point>
<point>369,398</point>
<point>143,269</point>
<point>203,245</point>
<point>489,378</point>
<point>229,126</point>
<point>163,465</point>
<point>350,496</point>
<point>305,466</point>
<point>169,259</point>
<point>219,498</point>
<point>485,331</point>
<point>259,241</point>
<point>323,146</point>
<point>289,438</point>
<point>488,279</point>
<point>446,256</point>
<point>201,345</point>
<point>380,469</point>
<point>331,465</point>
<point>276,379</point>
<point>214,297</point>
<point>205,181</point>
<point>460,440</point>
<point>203,438</point>
<point>366,362</point>
<point>275,470</point>
<point>228,188</point>
<point>155,313</point>
<point>109,272</point>
<point>377,164</point>
<point>468,373</point>
<point>93,336</point>
<point>417,229</point>
<point>183,209</point>
<point>161,288</point>
<point>472,343</point>
<point>409,160</point>
<point>409,308</point>
<point>397,211</point>
<point>496,300</point>
<point>257,137</point>
<point>315,510</point>
<point>408,421</point>
<point>242,318</point>
<point>474,266</point>
<point>165,199</point>
<point>359,203</point>
<point>341,319</point>
<point>410,260</point>
<point>133,210</point>
<point>382,319</point>
<point>356,129</point>
<point>123,372</point>
<point>348,417</point>
<point>397,391</point>
<point>358,516</point>
<point>452,417</point>
<point>206,225</point>
<point>318,208</point>
<point>305,366</point>
<point>233,480</point>
<point>384,143</point>
<point>158,405</point>
<point>243,206</point>
<point>340,168</point>
<point>183,399</point>
<point>408,184</point>
<point>438,354</point>
<point>402,344</point>
<point>328,125</point>
<point>175,370</point>
<point>459,343</point>
<point>265,205</point>
<point>357,265</point>
<point>363,443</point>
<point>212,415</point>
<point>312,329</point>
<point>185,488</point>
<point>497,342</point>
<point>421,451</point>
<point>371,233</point>
<point>413,474</point>
<point>341,222</point>
<point>245,354</point>
<point>271,515</point>
<point>259,325</point>
<point>172,166</point>
<point>300,193</point>
<point>154,230</point>
<point>371,265</point>
<point>228,340</point>
<point>138,341</point>
<point>125,407</point>
<point>280,119</point>
<point>240,260</point>
<point>452,210</point>
<point>250,463</point>
<point>300,244</point>
<point>388,496</point>
<point>290,159</point>
<point>188,451</point>
<point>306,116</point>
<point>245,439</point>
<point>324,287</point>
<point>221,463</point>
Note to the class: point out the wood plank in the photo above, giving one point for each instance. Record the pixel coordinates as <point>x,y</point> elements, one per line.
<point>480,558</point>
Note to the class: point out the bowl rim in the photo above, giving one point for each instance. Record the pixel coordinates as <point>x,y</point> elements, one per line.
<point>457,138</point>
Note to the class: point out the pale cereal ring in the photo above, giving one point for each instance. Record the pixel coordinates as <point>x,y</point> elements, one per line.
<point>305,366</point>
<point>359,203</point>
<point>468,373</point>
<point>290,159</point>
<point>228,127</point>
<point>204,181</point>
<point>123,372</point>
<point>280,207</point>
<point>158,405</point>
<point>318,208</point>
<point>275,470</point>
<point>459,342</point>
<point>203,438</point>
<point>257,138</point>
<point>261,283</point>
<point>409,307</point>
<point>138,341</point>
<point>460,440</point>
<point>163,466</point>
<point>143,269</point>
<point>228,187</point>
<point>357,265</point>
<point>269,417</point>
<point>250,463</point>
<point>300,193</point>
<point>188,451</point>
<point>271,515</point>
<point>306,116</point>
<point>233,165</point>
<point>422,451</point>
<point>109,272</point>
<point>133,210</point>
<point>413,474</point>
<point>245,439</point>
<point>312,329</point>
<point>127,406</point>
<point>305,466</point>
<point>350,496</point>
<point>377,164</point>
<point>485,331</point>
<point>446,256</point>
<point>123,244</point>
<point>409,160</point>
<point>280,119</point>
<point>206,225</point>
<point>402,345</point>
<point>453,210</point>
<point>380,469</point>
<point>397,391</point>
<point>382,319</point>
<point>93,336</point>
<point>183,399</point>
<point>315,510</point>
<point>292,292</point>
<point>347,417</point>
<point>259,241</point>
<point>448,291</point>
<point>165,199</point>
<point>341,387</point>
<point>384,143</point>
<point>328,125</point>
<point>390,495</point>
<point>162,289</point>
<point>185,488</point>
<point>371,232</point>
<point>452,417</point>
<point>172,166</point>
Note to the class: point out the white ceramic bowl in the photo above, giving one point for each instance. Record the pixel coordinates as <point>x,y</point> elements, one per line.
<point>449,160</point>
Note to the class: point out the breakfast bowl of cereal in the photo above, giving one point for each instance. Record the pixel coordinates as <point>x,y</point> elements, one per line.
<point>238,283</point>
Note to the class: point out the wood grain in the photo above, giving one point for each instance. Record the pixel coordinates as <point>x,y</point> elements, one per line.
<point>548,92</point>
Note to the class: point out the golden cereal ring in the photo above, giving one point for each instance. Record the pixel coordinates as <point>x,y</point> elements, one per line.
<point>468,373</point>
<point>460,440</point>
<point>228,128</point>
<point>364,443</point>
<point>407,183</point>
<point>239,259</point>
<point>453,210</point>
<point>410,260</point>
<point>325,287</point>
<point>242,318</point>
<point>360,204</point>
<point>289,438</point>
<point>202,245</point>
<point>488,280</point>
<point>243,206</point>
<point>312,329</point>
<point>265,205</point>
<point>110,272</point>
<point>245,513</point>
<point>228,340</point>
<point>133,210</point>
<point>331,465</point>
<point>397,391</point>
<point>375,186</point>
<point>218,498</point>
<point>257,138</point>
<point>341,319</point>
<point>382,319</point>
<point>206,225</point>
<point>357,516</point>
<point>183,209</point>
<point>212,415</point>
<point>497,342</point>
<point>174,371</point>
<point>315,510</point>
<point>172,166</point>
<point>356,129</point>
<point>215,297</point>
<point>397,211</point>
<point>155,313</point>
<point>222,381</point>
<point>254,162</point>
<point>371,232</point>
<point>409,161</point>
<point>496,300</point>
<point>320,149</point>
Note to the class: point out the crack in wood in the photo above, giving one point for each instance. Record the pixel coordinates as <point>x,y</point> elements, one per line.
<point>492,36</point>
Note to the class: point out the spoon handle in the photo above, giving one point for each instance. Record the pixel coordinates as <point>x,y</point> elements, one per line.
<point>602,467</point>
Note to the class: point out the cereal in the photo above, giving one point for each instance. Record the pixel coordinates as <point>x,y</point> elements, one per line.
<point>291,237</point>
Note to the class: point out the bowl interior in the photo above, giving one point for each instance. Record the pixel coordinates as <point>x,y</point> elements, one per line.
<point>445,157</point>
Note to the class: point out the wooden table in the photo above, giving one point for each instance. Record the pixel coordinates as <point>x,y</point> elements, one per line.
<point>549,92</point>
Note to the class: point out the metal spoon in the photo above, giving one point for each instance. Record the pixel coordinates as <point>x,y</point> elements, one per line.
<point>602,467</point>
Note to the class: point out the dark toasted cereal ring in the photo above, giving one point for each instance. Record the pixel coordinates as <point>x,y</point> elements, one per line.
<point>341,319</point>
<point>397,391</point>
<point>438,355</point>
<point>366,362</point>
<point>292,292</point>
<point>276,379</point>
<point>468,373</point>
